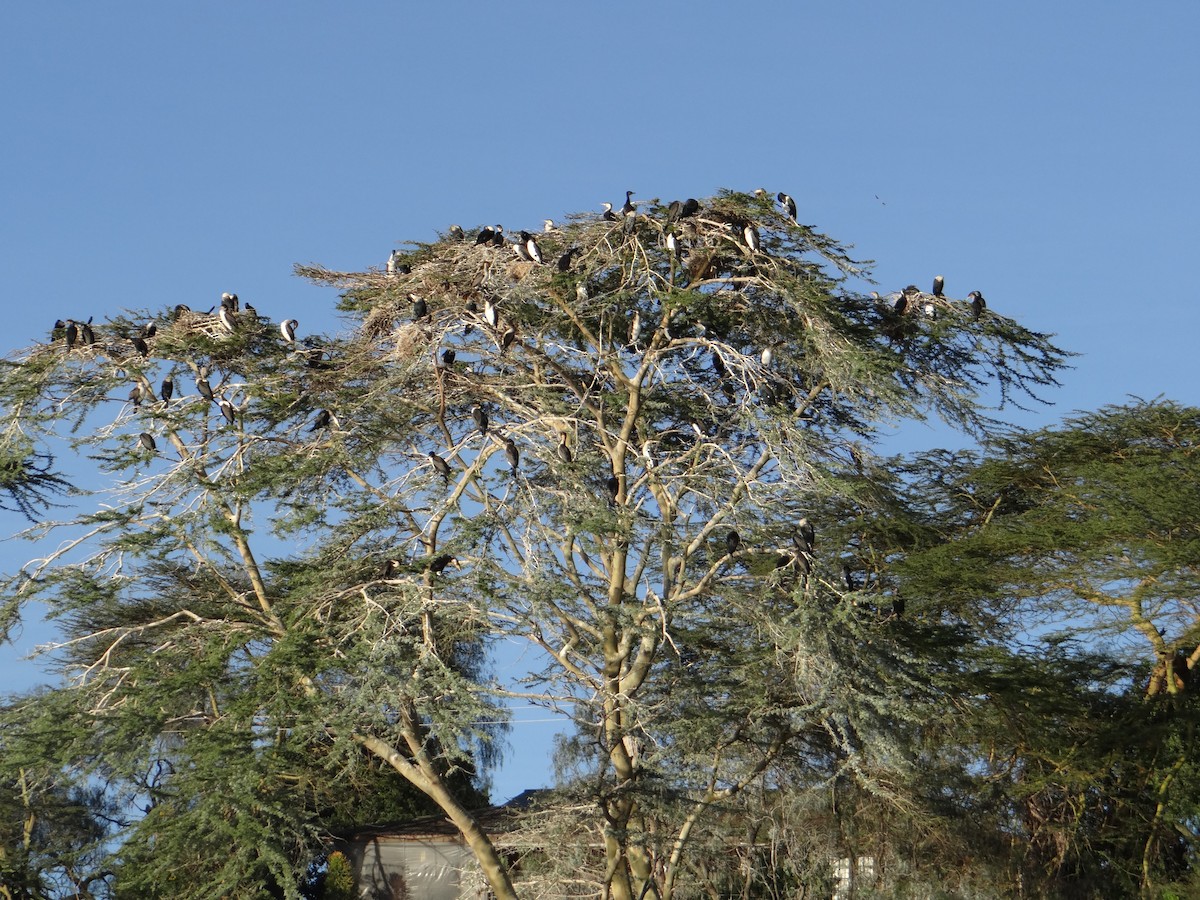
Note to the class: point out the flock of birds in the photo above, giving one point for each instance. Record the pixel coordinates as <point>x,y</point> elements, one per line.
<point>230,316</point>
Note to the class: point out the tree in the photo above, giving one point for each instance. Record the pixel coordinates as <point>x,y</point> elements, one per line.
<point>608,439</point>
<point>1079,546</point>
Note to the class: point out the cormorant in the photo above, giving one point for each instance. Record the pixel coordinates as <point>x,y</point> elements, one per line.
<point>168,388</point>
<point>448,357</point>
<point>977,303</point>
<point>149,330</point>
<point>691,206</point>
<point>229,301</point>
<point>750,233</point>
<point>392,261</point>
<point>204,388</point>
<point>487,235</point>
<point>439,563</point>
<point>672,244</point>
<point>939,284</point>
<point>85,332</point>
<point>581,293</point>
<point>489,313</point>
<point>506,339</point>
<point>520,250</point>
<point>135,395</point>
<point>147,442</point>
<point>564,452</point>
<point>140,345</point>
<point>226,410</point>
<point>531,247</point>
<point>420,308</point>
<point>513,454</point>
<point>733,540</point>
<point>547,226</point>
<point>228,319</point>
<point>628,209</point>
<point>288,329</point>
<point>635,330</point>
<point>613,484</point>
<point>479,414</point>
<point>564,261</point>
<point>788,204</point>
<point>674,210</point>
<point>804,535</point>
<point>72,333</point>
<point>324,417</point>
<point>767,357</point>
<point>609,215</point>
<point>456,233</point>
<point>440,466</point>
<point>901,306</point>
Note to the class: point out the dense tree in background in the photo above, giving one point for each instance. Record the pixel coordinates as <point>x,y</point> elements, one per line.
<point>1086,535</point>
<point>644,443</point>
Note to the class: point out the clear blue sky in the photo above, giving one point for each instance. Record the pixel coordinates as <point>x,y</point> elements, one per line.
<point>1043,153</point>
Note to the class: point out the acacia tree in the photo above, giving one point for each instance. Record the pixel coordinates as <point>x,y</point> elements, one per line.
<point>1085,533</point>
<point>627,440</point>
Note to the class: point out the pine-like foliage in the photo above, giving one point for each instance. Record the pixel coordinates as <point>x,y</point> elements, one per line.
<point>306,569</point>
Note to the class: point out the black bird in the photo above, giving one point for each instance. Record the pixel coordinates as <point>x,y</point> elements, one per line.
<point>485,235</point>
<point>168,388</point>
<point>788,204</point>
<point>479,414</point>
<point>506,339</point>
<point>204,388</point>
<point>564,261</point>
<point>448,357</point>
<point>564,452</point>
<point>135,395</point>
<point>848,576</point>
<point>628,209</point>
<point>513,454</point>
<point>440,466</point>
<point>226,410</point>
<point>147,442</point>
<point>420,308</point>
<point>439,563</point>
<point>977,303</point>
<point>939,284</point>
<point>733,540</point>
<point>251,312</point>
<point>149,330</point>
<point>901,306</point>
<point>609,215</point>
<point>674,211</point>
<point>140,345</point>
<point>498,237</point>
<point>72,333</point>
<point>85,332</point>
<point>324,417</point>
<point>718,364</point>
<point>229,301</point>
<point>456,233</point>
<point>180,309</point>
<point>804,535</point>
<point>288,329</point>
<point>613,484</point>
<point>691,206</point>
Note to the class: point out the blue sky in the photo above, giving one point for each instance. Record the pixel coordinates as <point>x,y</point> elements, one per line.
<point>158,153</point>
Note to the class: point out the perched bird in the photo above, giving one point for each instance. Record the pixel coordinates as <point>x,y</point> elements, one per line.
<point>149,330</point>
<point>448,357</point>
<point>479,414</point>
<point>167,389</point>
<point>901,305</point>
<point>72,334</point>
<point>750,233</point>
<point>488,235</point>
<point>228,319</point>
<point>393,261</point>
<point>628,209</point>
<point>929,309</point>
<point>147,442</point>
<point>674,211</point>
<point>564,452</point>
<point>581,293</point>
<point>135,395</point>
<point>788,204</point>
<point>939,284</point>
<point>548,225</point>
<point>672,245</point>
<point>733,541</point>
<point>324,417</point>
<point>531,247</point>
<point>439,563</point>
<point>420,308</point>
<point>85,332</point>
<point>613,485</point>
<point>288,329</point>
<point>767,357</point>
<point>440,466</point>
<point>507,338</point>
<point>498,237</point>
<point>564,261</point>
<point>609,215</point>
<point>456,233</point>
<point>513,454</point>
<point>977,303</point>
<point>691,206</point>
<point>804,535</point>
<point>140,345</point>
<point>204,388</point>
<point>229,301</point>
<point>490,315</point>
<point>226,410</point>
<point>520,250</point>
